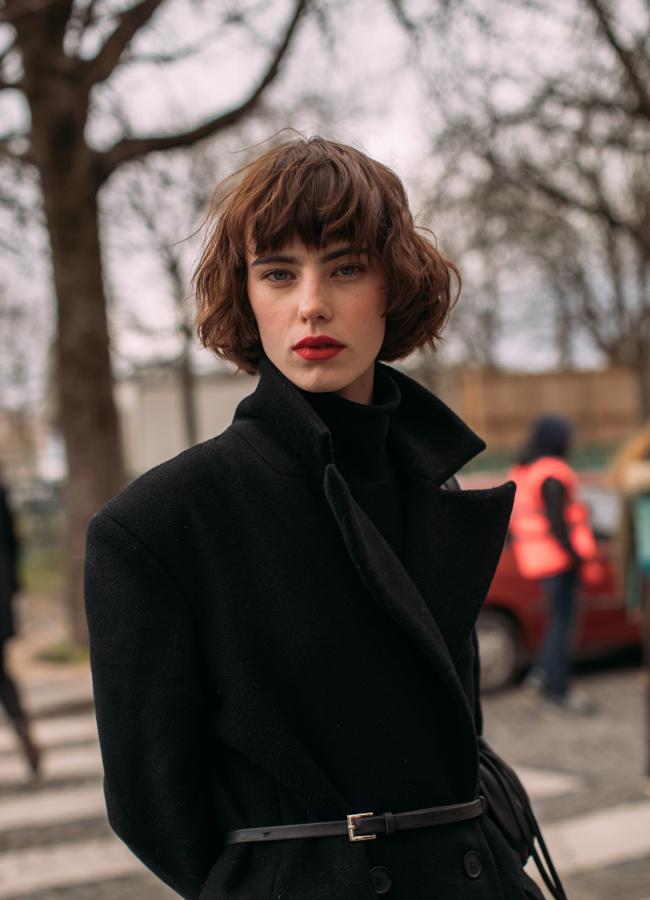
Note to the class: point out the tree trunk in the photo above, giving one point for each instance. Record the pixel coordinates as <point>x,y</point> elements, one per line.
<point>58,96</point>
<point>642,371</point>
<point>187,384</point>
<point>87,413</point>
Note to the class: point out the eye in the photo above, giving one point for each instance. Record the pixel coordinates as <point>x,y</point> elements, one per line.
<point>277,276</point>
<point>348,270</point>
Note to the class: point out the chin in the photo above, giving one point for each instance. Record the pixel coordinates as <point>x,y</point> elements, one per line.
<point>319,382</point>
<point>319,378</point>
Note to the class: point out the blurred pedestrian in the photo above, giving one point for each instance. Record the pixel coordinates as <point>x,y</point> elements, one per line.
<point>282,619</point>
<point>630,474</point>
<point>553,542</point>
<point>9,585</point>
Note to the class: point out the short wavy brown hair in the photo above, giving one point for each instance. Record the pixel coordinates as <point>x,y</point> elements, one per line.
<point>323,193</point>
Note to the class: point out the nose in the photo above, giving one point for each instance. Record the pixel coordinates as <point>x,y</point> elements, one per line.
<point>312,301</point>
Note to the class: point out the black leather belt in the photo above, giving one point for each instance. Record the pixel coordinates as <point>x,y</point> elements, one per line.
<point>363,826</point>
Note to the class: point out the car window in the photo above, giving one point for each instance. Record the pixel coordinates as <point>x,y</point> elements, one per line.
<point>604,509</point>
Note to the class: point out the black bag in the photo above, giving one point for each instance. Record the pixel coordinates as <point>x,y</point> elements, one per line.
<point>508,805</point>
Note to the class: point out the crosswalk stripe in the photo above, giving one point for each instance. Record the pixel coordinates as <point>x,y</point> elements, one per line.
<point>544,783</point>
<point>25,871</point>
<point>51,731</point>
<point>42,696</point>
<point>596,840</point>
<point>61,762</point>
<point>52,806</point>
<point>599,839</point>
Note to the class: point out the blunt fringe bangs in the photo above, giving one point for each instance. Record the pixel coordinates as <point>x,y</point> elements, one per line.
<point>321,192</point>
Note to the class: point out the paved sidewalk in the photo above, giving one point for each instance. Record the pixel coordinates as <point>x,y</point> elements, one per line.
<point>596,817</point>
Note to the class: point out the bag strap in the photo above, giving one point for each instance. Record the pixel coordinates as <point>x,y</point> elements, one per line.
<point>511,785</point>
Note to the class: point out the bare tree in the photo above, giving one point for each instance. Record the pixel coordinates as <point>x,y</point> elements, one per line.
<point>560,174</point>
<point>56,55</point>
<point>152,214</point>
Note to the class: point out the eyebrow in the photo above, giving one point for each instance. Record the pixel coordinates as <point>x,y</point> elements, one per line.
<point>326,257</point>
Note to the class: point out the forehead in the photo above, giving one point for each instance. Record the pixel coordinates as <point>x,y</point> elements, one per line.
<point>296,251</point>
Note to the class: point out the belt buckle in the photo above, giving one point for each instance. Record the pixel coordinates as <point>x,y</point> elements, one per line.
<point>352,826</point>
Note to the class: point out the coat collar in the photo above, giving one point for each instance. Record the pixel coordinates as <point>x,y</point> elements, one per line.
<point>430,439</point>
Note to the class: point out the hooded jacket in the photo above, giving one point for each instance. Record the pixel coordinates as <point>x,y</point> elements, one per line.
<point>261,656</point>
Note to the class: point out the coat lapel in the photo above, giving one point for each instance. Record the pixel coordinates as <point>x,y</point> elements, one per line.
<point>391,586</point>
<point>452,539</point>
<point>452,544</point>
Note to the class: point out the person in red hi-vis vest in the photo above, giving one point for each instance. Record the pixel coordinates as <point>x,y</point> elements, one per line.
<point>553,542</point>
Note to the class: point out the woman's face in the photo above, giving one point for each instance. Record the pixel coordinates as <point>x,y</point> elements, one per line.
<point>321,315</point>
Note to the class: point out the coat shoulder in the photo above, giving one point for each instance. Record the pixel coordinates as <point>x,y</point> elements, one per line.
<point>170,490</point>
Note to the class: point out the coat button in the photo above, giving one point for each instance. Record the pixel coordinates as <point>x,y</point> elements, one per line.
<point>381,879</point>
<point>472,864</point>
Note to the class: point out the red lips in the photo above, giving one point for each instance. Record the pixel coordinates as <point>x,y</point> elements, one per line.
<point>318,340</point>
<point>318,346</point>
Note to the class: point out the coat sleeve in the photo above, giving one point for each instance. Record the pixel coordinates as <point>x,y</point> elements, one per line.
<point>554,496</point>
<point>150,702</point>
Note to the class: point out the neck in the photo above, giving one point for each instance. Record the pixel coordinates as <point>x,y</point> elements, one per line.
<point>361,389</point>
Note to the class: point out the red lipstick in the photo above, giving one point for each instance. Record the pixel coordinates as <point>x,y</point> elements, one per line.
<point>318,346</point>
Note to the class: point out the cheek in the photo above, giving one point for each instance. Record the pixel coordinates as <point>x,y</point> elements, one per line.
<point>378,300</point>
<point>372,311</point>
<point>263,311</point>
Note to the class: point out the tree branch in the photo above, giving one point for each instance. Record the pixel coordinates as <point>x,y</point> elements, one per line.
<point>82,19</point>
<point>402,17</point>
<point>596,103</point>
<point>625,55</point>
<point>531,177</point>
<point>87,17</point>
<point>164,59</point>
<point>612,259</point>
<point>130,22</point>
<point>132,148</point>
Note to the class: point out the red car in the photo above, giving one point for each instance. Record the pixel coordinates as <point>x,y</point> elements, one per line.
<point>511,624</point>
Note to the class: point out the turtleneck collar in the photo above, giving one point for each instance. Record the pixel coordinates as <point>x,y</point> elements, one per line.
<point>359,430</point>
<point>428,439</point>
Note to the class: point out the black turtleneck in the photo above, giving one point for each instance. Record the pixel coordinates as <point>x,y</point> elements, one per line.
<point>359,436</point>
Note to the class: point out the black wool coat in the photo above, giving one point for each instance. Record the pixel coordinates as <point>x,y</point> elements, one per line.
<point>260,656</point>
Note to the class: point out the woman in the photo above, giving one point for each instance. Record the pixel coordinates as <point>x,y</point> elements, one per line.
<point>9,696</point>
<point>553,542</point>
<point>281,619</point>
